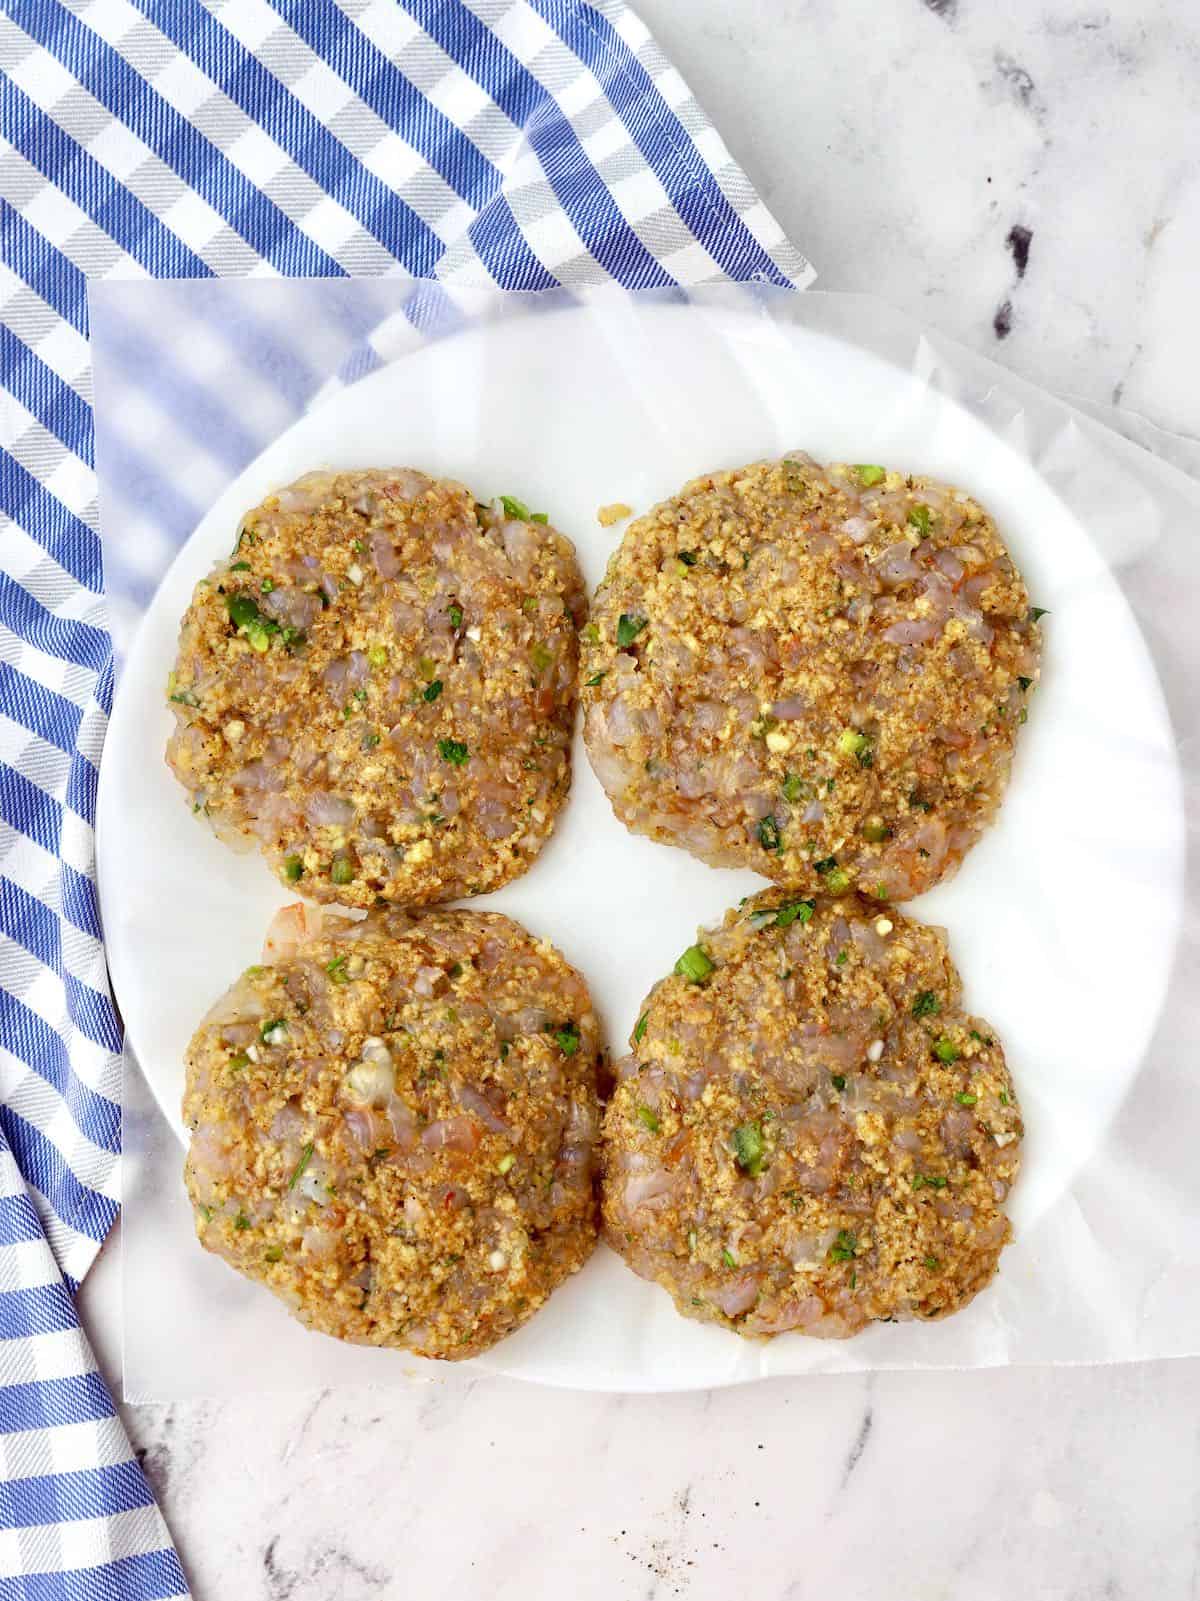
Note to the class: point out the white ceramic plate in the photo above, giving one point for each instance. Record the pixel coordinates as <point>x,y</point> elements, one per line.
<point>571,411</point>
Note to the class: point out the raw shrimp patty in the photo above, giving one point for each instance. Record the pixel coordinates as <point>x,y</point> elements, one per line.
<point>377,687</point>
<point>814,672</point>
<point>810,1134</point>
<point>394,1127</point>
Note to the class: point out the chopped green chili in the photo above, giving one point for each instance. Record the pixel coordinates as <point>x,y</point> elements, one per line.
<point>749,1148</point>
<point>694,964</point>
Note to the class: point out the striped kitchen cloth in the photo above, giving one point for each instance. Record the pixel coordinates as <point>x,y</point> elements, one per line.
<point>517,144</point>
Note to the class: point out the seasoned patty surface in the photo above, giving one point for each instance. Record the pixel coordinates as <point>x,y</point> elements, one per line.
<point>394,1124</point>
<point>377,687</point>
<point>809,1133</point>
<point>814,672</point>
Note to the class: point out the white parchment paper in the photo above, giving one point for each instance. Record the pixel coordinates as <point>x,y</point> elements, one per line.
<point>194,379</point>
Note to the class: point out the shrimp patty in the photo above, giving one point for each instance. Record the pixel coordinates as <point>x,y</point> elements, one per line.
<point>377,687</point>
<point>810,1133</point>
<point>814,672</point>
<point>394,1125</point>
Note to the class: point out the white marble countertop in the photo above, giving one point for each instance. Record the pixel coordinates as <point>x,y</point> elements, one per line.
<point>1027,178</point>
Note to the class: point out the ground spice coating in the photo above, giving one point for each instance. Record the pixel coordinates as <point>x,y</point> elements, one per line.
<point>817,673</point>
<point>810,1134</point>
<point>377,687</point>
<point>394,1126</point>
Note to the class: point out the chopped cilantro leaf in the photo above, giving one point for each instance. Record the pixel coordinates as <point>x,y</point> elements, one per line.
<point>768,835</point>
<point>795,912</point>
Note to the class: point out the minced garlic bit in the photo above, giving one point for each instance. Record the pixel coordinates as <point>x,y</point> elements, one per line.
<point>615,512</point>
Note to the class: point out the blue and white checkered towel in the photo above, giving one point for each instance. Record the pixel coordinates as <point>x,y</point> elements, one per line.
<point>510,143</point>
